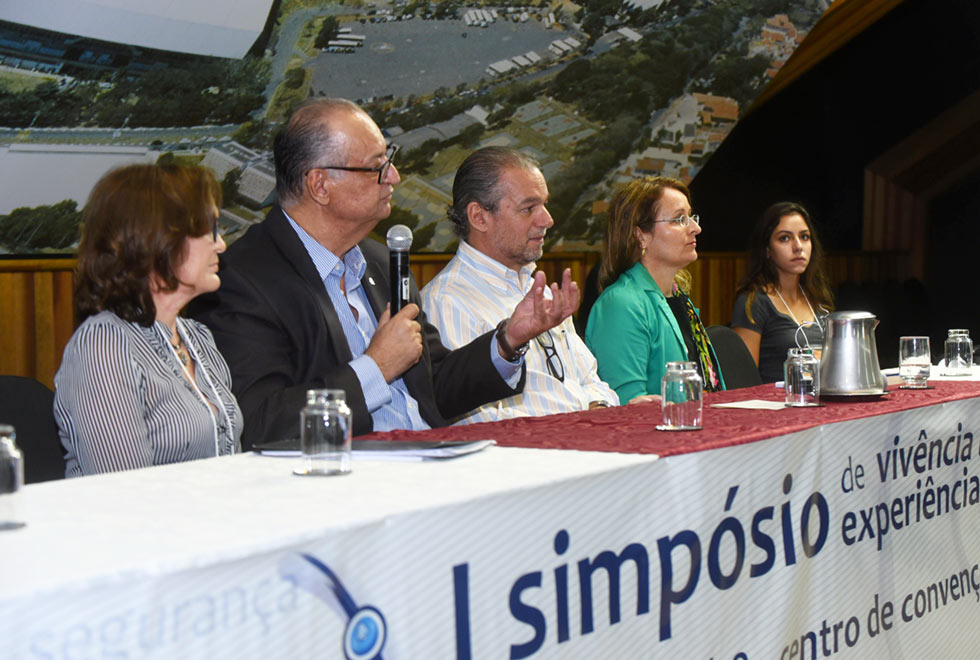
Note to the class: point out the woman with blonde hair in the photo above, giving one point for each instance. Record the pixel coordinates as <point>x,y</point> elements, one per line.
<point>139,386</point>
<point>643,317</point>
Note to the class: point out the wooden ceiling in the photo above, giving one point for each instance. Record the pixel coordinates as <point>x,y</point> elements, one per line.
<point>940,154</point>
<point>843,20</point>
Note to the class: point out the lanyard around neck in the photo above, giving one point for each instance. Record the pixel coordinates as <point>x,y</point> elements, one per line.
<point>790,311</point>
<point>195,355</point>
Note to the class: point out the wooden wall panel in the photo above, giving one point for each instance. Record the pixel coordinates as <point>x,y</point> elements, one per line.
<point>36,316</point>
<point>37,319</point>
<point>44,313</point>
<point>16,321</point>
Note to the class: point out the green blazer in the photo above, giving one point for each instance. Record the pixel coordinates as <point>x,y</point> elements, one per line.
<point>633,334</point>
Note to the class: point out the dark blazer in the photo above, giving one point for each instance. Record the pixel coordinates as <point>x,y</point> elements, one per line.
<point>273,321</point>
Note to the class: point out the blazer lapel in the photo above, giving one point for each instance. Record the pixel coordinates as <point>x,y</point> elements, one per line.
<point>375,285</point>
<point>295,254</point>
<point>646,283</point>
<point>668,313</point>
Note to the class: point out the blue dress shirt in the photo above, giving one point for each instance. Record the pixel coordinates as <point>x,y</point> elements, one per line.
<point>391,405</point>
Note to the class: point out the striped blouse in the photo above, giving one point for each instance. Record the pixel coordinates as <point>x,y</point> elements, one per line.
<point>122,401</point>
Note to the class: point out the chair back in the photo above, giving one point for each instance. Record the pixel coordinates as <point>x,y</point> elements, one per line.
<point>28,406</point>
<point>736,362</point>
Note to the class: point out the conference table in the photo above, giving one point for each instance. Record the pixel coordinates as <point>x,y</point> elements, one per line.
<point>847,530</point>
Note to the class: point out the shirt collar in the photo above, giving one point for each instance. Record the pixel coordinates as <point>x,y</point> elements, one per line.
<point>475,258</point>
<point>325,260</point>
<point>645,280</point>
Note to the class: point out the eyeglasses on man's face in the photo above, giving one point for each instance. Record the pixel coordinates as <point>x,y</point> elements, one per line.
<point>555,366</point>
<point>381,169</point>
<point>683,220</point>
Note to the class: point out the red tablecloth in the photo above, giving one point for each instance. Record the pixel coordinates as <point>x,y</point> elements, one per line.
<point>631,429</point>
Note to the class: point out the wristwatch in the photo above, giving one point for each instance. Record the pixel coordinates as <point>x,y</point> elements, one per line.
<point>512,354</point>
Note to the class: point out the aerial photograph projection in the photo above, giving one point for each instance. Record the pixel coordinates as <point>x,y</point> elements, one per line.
<point>598,92</point>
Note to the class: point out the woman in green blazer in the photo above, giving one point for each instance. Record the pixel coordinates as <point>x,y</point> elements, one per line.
<point>643,318</point>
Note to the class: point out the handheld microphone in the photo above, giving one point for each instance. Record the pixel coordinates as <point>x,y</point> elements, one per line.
<point>399,240</point>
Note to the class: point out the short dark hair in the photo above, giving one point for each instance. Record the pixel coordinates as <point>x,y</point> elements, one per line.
<point>305,141</point>
<point>136,223</point>
<point>476,181</point>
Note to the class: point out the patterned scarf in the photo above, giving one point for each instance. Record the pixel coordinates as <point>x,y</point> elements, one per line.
<point>709,365</point>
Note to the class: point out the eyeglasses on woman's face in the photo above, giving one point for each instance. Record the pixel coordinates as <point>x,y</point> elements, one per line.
<point>683,220</point>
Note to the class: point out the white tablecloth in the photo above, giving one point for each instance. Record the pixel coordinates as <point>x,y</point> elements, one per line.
<point>827,539</point>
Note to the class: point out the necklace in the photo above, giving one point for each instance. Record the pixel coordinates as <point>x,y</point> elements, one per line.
<point>181,350</point>
<point>790,311</point>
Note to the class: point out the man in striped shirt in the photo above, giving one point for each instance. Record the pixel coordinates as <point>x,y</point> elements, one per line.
<point>499,214</point>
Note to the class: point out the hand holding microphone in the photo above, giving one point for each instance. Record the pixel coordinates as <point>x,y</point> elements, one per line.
<point>399,243</point>
<point>397,343</point>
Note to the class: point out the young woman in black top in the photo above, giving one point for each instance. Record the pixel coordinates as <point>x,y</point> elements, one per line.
<point>784,297</point>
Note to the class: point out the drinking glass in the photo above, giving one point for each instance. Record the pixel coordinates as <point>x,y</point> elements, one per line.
<point>801,378</point>
<point>681,397</point>
<point>325,434</point>
<point>11,479</point>
<point>959,353</point>
<point>914,360</point>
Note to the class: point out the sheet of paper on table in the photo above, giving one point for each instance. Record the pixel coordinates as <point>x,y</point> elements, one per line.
<point>752,404</point>
<point>936,373</point>
<point>382,450</point>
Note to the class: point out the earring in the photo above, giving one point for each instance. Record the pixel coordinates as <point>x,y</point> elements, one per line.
<point>643,252</point>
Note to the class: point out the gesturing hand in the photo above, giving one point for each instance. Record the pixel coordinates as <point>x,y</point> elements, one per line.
<point>397,343</point>
<point>535,313</point>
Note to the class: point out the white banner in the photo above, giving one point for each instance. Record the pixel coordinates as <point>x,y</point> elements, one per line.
<point>852,540</point>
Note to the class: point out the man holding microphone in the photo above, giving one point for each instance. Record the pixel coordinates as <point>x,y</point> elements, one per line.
<point>304,297</point>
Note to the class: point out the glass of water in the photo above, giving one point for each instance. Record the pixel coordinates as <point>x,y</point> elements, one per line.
<point>801,378</point>
<point>914,359</point>
<point>325,434</point>
<point>11,479</point>
<point>681,397</point>
<point>959,353</point>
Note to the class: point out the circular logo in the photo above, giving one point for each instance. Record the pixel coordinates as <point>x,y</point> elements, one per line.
<point>365,634</point>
